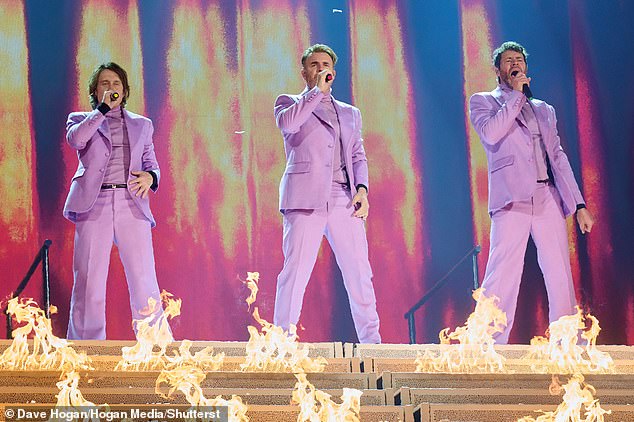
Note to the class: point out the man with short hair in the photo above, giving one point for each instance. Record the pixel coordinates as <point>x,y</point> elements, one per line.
<point>532,188</point>
<point>323,192</point>
<point>108,202</point>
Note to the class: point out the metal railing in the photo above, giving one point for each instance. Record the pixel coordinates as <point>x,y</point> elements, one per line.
<point>43,257</point>
<point>409,316</point>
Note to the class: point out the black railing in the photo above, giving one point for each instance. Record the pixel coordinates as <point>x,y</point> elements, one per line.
<point>409,316</point>
<point>42,256</point>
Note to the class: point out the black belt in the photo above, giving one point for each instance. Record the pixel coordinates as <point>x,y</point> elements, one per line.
<point>546,181</point>
<point>114,186</point>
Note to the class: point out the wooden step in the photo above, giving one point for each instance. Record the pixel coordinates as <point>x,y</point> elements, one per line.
<point>485,395</point>
<point>147,379</point>
<point>509,351</point>
<point>288,413</point>
<point>379,365</point>
<point>232,363</point>
<point>264,396</point>
<point>502,412</point>
<point>230,348</point>
<point>506,381</point>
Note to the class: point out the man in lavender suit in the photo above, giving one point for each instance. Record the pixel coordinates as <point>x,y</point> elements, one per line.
<point>108,202</point>
<point>532,188</point>
<point>324,191</point>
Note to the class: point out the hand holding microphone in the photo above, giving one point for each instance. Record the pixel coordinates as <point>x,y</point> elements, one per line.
<point>521,83</point>
<point>324,80</point>
<point>111,98</point>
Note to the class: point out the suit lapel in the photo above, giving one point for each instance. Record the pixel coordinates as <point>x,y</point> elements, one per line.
<point>133,128</point>
<point>104,129</point>
<point>541,118</point>
<point>321,115</point>
<point>346,123</point>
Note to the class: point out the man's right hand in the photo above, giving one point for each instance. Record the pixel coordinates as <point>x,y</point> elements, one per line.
<point>108,101</point>
<point>518,81</point>
<point>321,81</point>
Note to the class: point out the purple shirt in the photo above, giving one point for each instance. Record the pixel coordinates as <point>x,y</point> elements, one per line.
<point>539,150</point>
<point>338,165</point>
<point>118,166</point>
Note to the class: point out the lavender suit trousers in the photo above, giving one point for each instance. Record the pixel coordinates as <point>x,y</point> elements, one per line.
<point>303,232</point>
<point>114,218</point>
<point>542,218</point>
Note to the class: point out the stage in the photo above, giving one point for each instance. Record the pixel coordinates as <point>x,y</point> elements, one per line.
<point>392,390</point>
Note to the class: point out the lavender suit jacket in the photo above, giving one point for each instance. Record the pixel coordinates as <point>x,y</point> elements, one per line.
<point>508,145</point>
<point>309,145</point>
<point>89,134</point>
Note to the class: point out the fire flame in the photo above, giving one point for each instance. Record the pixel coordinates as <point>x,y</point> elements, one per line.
<point>49,351</point>
<point>276,350</point>
<point>576,395</point>
<point>272,349</point>
<point>69,394</point>
<point>474,351</point>
<point>153,331</point>
<point>560,352</point>
<point>316,405</point>
<point>203,359</point>
<point>187,380</point>
<point>252,284</point>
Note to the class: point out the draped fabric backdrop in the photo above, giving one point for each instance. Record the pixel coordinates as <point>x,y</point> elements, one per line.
<point>207,73</point>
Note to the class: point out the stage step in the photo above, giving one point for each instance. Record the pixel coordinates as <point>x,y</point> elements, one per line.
<point>379,365</point>
<point>505,381</point>
<point>537,396</point>
<point>502,412</point>
<point>385,373</point>
<point>230,348</point>
<point>264,396</point>
<point>288,413</point>
<point>232,363</point>
<point>147,379</point>
<point>509,351</point>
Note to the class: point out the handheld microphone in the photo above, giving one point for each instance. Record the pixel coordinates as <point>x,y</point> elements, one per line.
<point>114,96</point>
<point>328,77</point>
<point>525,88</point>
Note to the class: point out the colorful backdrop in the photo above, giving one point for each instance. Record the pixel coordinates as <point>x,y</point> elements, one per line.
<point>207,73</point>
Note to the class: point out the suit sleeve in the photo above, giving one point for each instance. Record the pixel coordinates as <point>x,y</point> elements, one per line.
<point>491,124</point>
<point>80,127</point>
<point>290,115</point>
<point>149,156</point>
<point>359,159</point>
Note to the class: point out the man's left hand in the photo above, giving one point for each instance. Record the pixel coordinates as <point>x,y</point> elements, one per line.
<point>361,204</point>
<point>585,220</point>
<point>140,185</point>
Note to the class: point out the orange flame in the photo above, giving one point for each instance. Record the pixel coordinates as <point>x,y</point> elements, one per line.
<point>203,359</point>
<point>273,349</point>
<point>252,284</point>
<point>49,351</point>
<point>316,405</point>
<point>187,380</point>
<point>475,351</point>
<point>69,394</point>
<point>577,394</point>
<point>152,331</point>
<point>560,353</point>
